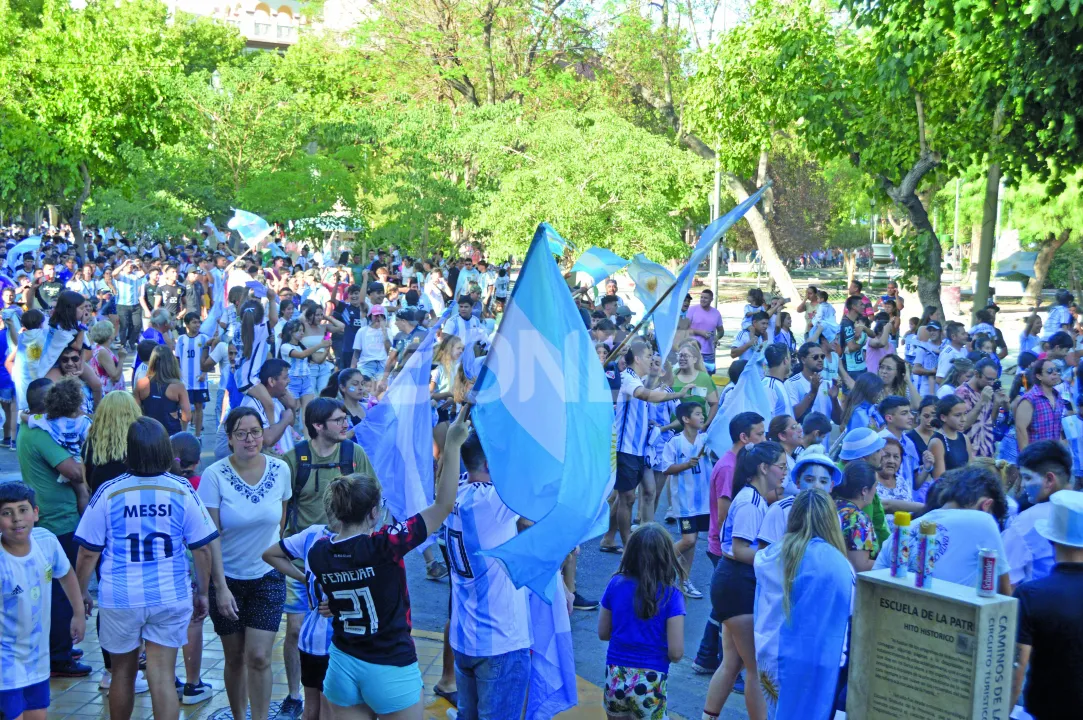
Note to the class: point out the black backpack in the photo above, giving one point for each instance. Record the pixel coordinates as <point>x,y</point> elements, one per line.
<point>304,469</point>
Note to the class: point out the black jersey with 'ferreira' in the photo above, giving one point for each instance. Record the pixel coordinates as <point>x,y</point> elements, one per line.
<point>364,579</point>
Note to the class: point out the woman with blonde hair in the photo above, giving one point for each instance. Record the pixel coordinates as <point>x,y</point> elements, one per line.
<point>690,370</point>
<point>106,364</point>
<point>161,393</point>
<point>445,361</point>
<point>803,605</point>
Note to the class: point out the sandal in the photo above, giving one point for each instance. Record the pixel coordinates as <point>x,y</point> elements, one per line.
<point>452,696</point>
<point>611,549</point>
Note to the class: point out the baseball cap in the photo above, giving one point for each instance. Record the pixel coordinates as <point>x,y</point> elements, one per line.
<point>933,325</point>
<point>377,310</point>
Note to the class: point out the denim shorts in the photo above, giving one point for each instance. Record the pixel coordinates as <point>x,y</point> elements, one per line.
<point>301,385</point>
<point>492,688</point>
<point>384,688</point>
<point>372,368</point>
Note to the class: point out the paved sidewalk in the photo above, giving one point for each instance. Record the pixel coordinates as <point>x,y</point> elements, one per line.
<point>80,698</point>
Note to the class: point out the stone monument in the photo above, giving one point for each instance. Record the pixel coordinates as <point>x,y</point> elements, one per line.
<point>935,653</point>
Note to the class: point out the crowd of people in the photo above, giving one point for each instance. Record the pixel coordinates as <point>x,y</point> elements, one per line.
<point>866,416</point>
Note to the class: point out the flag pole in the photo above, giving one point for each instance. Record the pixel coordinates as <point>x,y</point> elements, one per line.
<point>646,317</point>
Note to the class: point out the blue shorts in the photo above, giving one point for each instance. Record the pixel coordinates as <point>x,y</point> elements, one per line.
<point>7,393</point>
<point>384,688</point>
<point>14,703</point>
<point>296,597</point>
<point>372,368</point>
<point>301,385</point>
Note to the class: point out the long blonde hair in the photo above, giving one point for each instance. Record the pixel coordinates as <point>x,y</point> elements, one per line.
<point>442,356</point>
<point>108,435</point>
<point>813,515</point>
<point>693,345</point>
<point>163,365</point>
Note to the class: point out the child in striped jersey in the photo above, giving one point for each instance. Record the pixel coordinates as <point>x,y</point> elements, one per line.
<point>30,558</point>
<point>252,351</point>
<point>64,419</point>
<point>314,642</point>
<point>296,354</point>
<point>685,459</point>
<point>192,350</point>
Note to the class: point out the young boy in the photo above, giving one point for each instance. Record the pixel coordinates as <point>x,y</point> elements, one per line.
<point>30,559</point>
<point>816,429</point>
<point>685,458</point>
<point>898,419</point>
<point>192,350</point>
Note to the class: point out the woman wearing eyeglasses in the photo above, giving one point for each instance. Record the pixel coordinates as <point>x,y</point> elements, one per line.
<point>246,495</point>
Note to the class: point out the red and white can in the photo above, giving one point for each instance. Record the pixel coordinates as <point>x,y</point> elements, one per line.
<point>987,572</point>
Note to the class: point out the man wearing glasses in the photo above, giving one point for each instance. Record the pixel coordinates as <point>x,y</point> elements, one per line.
<point>313,464</point>
<point>1039,414</point>
<point>807,391</point>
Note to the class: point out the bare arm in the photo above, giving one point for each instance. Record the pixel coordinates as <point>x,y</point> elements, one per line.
<point>105,359</point>
<point>937,449</point>
<point>744,551</point>
<point>276,557</point>
<point>273,433</point>
<point>448,483</point>
<point>1024,413</point>
<point>605,624</point>
<point>70,585</point>
<point>1022,662</point>
<point>182,399</point>
<point>861,560</point>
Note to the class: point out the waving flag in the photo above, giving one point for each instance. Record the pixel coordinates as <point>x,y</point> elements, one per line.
<point>213,234</point>
<point>748,395</point>
<point>552,661</point>
<point>669,312</point>
<point>651,279</point>
<point>557,244</point>
<point>599,263</point>
<point>397,434</point>
<point>15,254</point>
<point>252,228</point>
<point>544,414</point>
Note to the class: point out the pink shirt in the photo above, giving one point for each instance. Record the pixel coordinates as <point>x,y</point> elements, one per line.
<point>721,487</point>
<point>706,320</point>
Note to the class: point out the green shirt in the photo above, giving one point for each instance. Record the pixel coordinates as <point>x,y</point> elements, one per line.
<point>39,455</point>
<point>310,509</point>
<point>875,511</point>
<point>702,380</point>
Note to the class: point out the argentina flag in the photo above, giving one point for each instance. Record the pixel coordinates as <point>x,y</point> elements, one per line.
<point>651,279</point>
<point>599,263</point>
<point>251,227</point>
<point>669,312</point>
<point>557,244</point>
<point>544,414</point>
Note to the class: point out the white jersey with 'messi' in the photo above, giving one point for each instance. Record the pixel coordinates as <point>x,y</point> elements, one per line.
<point>141,526</point>
<point>489,616</point>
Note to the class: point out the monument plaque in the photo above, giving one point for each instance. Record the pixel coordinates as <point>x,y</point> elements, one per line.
<point>936,653</point>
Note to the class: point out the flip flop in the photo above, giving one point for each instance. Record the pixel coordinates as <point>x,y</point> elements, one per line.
<point>452,696</point>
<point>611,549</point>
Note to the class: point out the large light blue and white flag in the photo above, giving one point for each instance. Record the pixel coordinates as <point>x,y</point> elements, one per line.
<point>669,312</point>
<point>651,279</point>
<point>15,254</point>
<point>599,263</point>
<point>56,339</point>
<point>251,227</point>
<point>397,434</point>
<point>544,414</point>
<point>557,244</point>
<point>214,235</point>
<point>552,662</point>
<point>748,395</point>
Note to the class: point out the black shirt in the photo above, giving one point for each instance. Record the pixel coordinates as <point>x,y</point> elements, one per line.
<point>171,298</point>
<point>149,293</point>
<point>193,297</point>
<point>97,475</point>
<point>48,292</point>
<point>354,319</point>
<point>1051,622</point>
<point>364,578</point>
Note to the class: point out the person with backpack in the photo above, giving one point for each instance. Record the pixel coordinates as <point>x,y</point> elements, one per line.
<point>313,465</point>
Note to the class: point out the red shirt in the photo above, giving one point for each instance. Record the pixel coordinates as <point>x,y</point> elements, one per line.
<point>721,487</point>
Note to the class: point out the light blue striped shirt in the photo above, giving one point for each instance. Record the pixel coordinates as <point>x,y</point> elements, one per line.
<point>129,288</point>
<point>190,356</point>
<point>316,632</point>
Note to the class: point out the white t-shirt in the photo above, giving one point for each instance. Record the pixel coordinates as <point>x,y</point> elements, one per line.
<point>298,365</point>
<point>926,357</point>
<point>693,485</point>
<point>250,515</point>
<point>26,595</point>
<point>489,616</point>
<point>959,536</point>
<point>947,356</point>
<point>369,342</point>
<point>1029,554</point>
<point>798,387</point>
<point>744,519</point>
<point>220,354</point>
<point>774,522</point>
<point>778,396</point>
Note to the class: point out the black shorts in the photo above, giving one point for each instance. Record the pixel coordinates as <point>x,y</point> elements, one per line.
<point>198,397</point>
<point>313,670</point>
<point>733,589</point>
<point>629,471</point>
<point>259,604</point>
<point>694,524</point>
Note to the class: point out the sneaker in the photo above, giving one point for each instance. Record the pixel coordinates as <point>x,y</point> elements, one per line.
<point>436,570</point>
<point>691,591</point>
<point>70,669</point>
<point>196,693</point>
<point>702,669</point>
<point>581,603</point>
<point>106,681</point>
<point>290,708</point>
<point>179,685</point>
<point>671,515</point>
<point>141,684</point>
<point>76,653</point>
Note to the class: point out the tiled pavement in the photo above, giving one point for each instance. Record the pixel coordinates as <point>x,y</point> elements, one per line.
<point>80,698</point>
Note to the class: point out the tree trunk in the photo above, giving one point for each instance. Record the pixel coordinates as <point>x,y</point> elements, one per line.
<point>76,221</point>
<point>764,242</point>
<point>849,261</point>
<point>905,196</point>
<point>988,238</point>
<point>1041,265</point>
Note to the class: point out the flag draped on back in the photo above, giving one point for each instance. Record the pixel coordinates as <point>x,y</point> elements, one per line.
<point>251,227</point>
<point>396,434</point>
<point>599,263</point>
<point>552,662</point>
<point>669,312</point>
<point>748,396</point>
<point>651,280</point>
<point>544,414</point>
